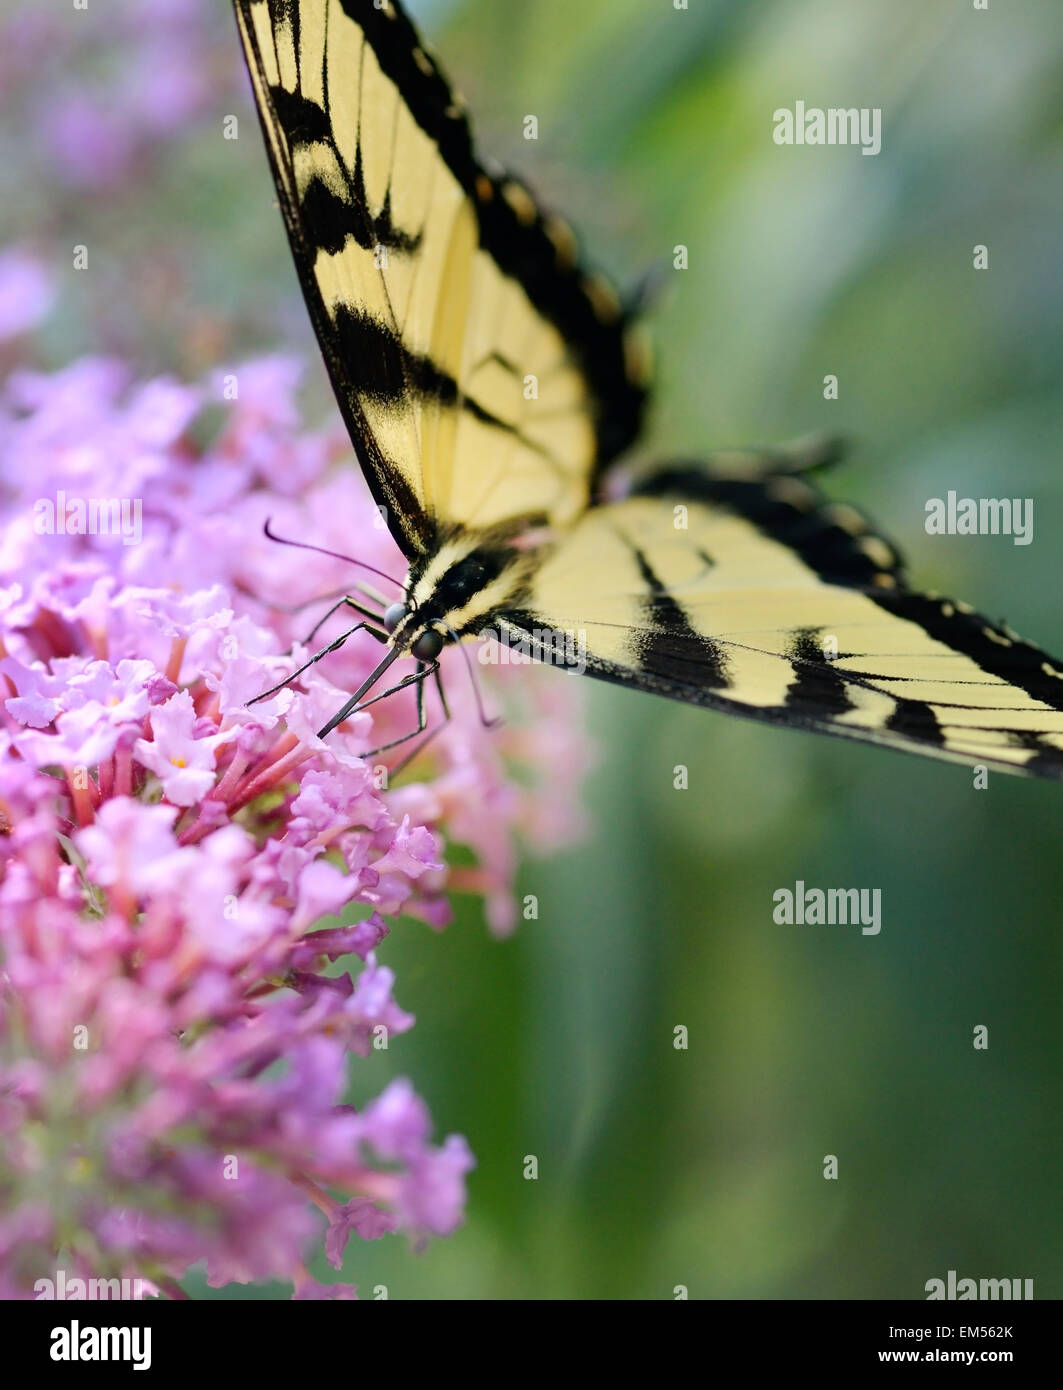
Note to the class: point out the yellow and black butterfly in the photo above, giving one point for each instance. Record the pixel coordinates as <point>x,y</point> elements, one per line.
<point>489,382</point>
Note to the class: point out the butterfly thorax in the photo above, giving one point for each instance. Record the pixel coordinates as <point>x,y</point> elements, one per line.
<point>456,590</point>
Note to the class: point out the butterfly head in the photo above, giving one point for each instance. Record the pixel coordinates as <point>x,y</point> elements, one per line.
<point>463,581</point>
<point>423,640</point>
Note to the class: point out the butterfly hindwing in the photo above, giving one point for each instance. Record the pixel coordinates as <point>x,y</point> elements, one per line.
<point>756,598</point>
<point>483,376</point>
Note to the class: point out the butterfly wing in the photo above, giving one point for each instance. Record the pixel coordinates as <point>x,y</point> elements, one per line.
<point>485,380</point>
<point>753,596</point>
<point>483,376</point>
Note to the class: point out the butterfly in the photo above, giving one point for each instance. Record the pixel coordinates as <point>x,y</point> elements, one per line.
<point>490,383</point>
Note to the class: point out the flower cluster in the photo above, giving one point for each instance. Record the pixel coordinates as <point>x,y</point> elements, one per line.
<point>181,869</point>
<point>100,90</point>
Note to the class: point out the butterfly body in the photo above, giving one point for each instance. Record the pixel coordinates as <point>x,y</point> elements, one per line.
<point>457,589</point>
<point>490,384</point>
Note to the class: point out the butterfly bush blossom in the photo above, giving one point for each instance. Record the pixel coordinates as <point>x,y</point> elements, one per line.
<point>100,91</point>
<point>182,870</point>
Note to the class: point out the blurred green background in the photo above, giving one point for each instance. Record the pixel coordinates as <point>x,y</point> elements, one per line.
<point>704,1167</point>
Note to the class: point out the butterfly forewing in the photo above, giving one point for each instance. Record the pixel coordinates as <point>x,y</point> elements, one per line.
<point>483,377</point>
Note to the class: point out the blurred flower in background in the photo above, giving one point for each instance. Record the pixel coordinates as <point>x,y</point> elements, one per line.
<point>27,292</point>
<point>97,96</point>
<point>112,115</point>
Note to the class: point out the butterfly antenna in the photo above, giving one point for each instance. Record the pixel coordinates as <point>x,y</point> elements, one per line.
<point>293,608</point>
<point>484,720</point>
<point>646,292</point>
<point>350,560</point>
<point>814,451</point>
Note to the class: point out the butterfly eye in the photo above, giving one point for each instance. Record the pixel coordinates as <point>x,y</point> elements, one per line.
<point>428,645</point>
<point>394,615</point>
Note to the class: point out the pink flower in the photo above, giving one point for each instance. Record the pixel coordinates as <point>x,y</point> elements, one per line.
<point>362,1217</point>
<point>179,863</point>
<point>431,1193</point>
<point>184,763</point>
<point>27,292</point>
<point>395,1124</point>
<point>139,84</point>
<point>132,846</point>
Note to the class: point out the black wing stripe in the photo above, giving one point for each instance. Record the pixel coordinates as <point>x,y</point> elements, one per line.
<point>817,687</point>
<point>335,220</point>
<point>669,645</point>
<point>388,371</point>
<point>917,720</point>
<point>911,733</point>
<point>304,122</point>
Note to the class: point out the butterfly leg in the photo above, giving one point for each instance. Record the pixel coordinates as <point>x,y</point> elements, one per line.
<point>422,723</point>
<point>424,669</point>
<point>405,762</point>
<point>345,592</point>
<point>485,720</point>
<point>332,647</point>
<point>345,601</point>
